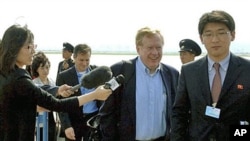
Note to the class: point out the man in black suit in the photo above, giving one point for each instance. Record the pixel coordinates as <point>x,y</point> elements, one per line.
<point>74,123</point>
<point>212,114</point>
<point>68,62</point>
<point>141,107</point>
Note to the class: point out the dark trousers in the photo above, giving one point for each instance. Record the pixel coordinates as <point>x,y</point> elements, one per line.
<point>82,131</point>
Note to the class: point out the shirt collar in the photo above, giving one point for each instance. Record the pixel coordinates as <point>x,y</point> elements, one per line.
<point>146,70</point>
<point>80,74</point>
<point>223,63</point>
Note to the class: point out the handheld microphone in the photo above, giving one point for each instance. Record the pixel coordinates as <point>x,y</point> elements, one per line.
<point>114,83</point>
<point>94,78</point>
<point>76,87</point>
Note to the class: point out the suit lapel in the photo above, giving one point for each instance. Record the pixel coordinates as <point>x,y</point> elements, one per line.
<point>73,76</point>
<point>202,69</point>
<point>232,74</point>
<point>166,80</point>
<point>129,91</point>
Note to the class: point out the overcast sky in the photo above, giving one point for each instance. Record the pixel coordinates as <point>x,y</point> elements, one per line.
<point>112,24</point>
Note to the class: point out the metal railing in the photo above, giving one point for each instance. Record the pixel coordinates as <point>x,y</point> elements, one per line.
<point>42,121</point>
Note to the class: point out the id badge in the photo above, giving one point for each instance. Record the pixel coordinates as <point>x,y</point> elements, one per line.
<point>212,112</point>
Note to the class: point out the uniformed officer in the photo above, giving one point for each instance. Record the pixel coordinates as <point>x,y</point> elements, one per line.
<point>189,49</point>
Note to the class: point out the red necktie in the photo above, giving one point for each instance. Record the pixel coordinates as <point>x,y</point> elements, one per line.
<point>216,86</point>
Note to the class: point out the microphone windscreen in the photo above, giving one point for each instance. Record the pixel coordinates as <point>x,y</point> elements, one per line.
<point>97,77</point>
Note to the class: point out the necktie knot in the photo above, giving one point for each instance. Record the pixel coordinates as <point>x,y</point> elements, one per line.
<point>216,66</point>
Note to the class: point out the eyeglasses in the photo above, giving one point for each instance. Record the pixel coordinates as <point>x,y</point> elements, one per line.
<point>220,35</point>
<point>32,46</point>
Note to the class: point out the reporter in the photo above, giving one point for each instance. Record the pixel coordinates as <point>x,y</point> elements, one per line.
<point>19,95</point>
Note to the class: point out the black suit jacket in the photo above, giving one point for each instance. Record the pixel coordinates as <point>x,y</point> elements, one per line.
<point>75,117</point>
<point>60,66</point>
<point>118,115</point>
<point>194,94</point>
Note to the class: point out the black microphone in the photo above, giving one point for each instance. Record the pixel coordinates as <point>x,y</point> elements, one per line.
<point>95,78</point>
<point>115,82</point>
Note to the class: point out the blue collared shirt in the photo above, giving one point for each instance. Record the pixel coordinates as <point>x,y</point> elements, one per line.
<point>150,103</point>
<point>91,106</point>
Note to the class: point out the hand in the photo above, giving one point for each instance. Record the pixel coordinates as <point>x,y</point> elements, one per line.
<point>65,90</point>
<point>41,109</point>
<point>65,65</point>
<point>102,93</point>
<point>70,134</point>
